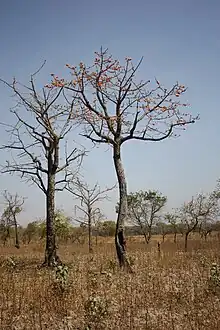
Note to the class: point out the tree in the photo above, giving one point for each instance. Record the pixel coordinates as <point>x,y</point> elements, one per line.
<point>78,234</point>
<point>108,228</point>
<point>143,210</point>
<point>115,108</point>
<point>62,226</point>
<point>13,207</point>
<point>172,220</point>
<point>195,211</point>
<point>35,140</point>
<point>30,231</point>
<point>205,228</point>
<point>164,229</point>
<point>88,197</point>
<point>5,229</point>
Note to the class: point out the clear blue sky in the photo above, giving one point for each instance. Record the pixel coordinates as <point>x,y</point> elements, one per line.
<point>179,41</point>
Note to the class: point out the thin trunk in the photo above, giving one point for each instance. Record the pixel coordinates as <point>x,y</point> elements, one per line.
<point>50,252</point>
<point>145,234</point>
<point>186,241</point>
<point>17,245</point>
<point>145,237</point>
<point>120,242</point>
<point>90,229</point>
<point>174,239</point>
<point>149,235</point>
<point>51,258</point>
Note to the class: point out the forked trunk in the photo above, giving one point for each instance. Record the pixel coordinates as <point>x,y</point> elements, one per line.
<point>120,242</point>
<point>50,252</point>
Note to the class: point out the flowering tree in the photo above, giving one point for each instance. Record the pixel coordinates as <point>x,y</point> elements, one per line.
<point>114,108</point>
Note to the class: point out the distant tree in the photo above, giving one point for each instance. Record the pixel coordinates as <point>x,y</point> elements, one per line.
<point>31,231</point>
<point>41,123</point>
<point>205,228</point>
<point>88,197</point>
<point>107,228</point>
<point>114,108</point>
<point>62,226</point>
<point>97,225</point>
<point>195,211</point>
<point>14,205</point>
<point>5,229</point>
<point>143,210</point>
<point>172,219</point>
<point>163,229</point>
<point>78,234</point>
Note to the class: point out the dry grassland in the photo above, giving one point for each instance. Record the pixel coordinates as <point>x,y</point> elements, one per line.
<point>167,291</point>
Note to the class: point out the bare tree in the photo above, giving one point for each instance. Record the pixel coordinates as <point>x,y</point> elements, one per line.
<point>35,140</point>
<point>172,219</point>
<point>115,108</point>
<point>205,228</point>
<point>195,211</point>
<point>164,229</point>
<point>14,205</point>
<point>143,210</point>
<point>88,197</point>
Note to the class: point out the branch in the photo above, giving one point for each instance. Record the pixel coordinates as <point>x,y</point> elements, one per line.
<point>166,135</point>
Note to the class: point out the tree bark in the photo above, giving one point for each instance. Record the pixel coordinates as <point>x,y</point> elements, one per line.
<point>174,238</point>
<point>120,241</point>
<point>51,258</point>
<point>50,252</point>
<point>17,245</point>
<point>90,229</point>
<point>145,238</point>
<point>186,241</point>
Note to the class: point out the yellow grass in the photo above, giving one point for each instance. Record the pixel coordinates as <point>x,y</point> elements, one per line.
<point>166,291</point>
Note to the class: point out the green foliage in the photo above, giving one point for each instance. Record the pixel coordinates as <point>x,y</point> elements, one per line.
<point>107,228</point>
<point>61,277</point>
<point>96,311</point>
<point>214,278</point>
<point>144,208</point>
<point>144,204</point>
<point>62,226</point>
<point>32,229</point>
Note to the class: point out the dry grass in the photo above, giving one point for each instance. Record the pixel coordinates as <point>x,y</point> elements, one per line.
<point>169,291</point>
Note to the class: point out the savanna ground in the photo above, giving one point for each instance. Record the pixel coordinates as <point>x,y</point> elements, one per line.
<point>170,290</point>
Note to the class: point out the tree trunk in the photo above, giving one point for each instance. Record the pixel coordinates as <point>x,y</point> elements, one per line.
<point>186,241</point>
<point>90,229</point>
<point>17,245</point>
<point>174,239</point>
<point>50,252</point>
<point>145,237</point>
<point>149,235</point>
<point>120,242</point>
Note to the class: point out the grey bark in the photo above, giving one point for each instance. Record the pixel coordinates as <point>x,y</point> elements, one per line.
<point>120,241</point>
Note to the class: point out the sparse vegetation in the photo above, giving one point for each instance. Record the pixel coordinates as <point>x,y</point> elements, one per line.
<point>176,291</point>
<point>172,282</point>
